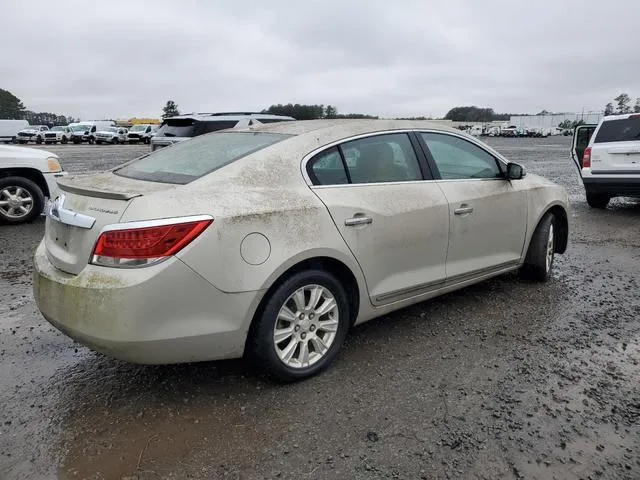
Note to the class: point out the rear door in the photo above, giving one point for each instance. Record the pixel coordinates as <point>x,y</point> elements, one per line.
<point>581,137</point>
<point>394,222</point>
<point>615,148</point>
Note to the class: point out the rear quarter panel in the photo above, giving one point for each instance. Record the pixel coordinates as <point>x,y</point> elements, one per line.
<point>267,197</point>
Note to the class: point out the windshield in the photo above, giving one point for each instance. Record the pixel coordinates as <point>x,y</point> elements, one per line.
<point>187,161</point>
<point>80,128</point>
<point>138,128</point>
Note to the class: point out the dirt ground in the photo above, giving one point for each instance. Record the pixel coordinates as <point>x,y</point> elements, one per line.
<point>505,379</point>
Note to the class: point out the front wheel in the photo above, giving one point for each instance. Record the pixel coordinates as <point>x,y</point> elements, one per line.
<point>302,326</point>
<point>21,200</point>
<point>64,140</point>
<point>539,260</point>
<point>598,200</point>
<point>39,140</point>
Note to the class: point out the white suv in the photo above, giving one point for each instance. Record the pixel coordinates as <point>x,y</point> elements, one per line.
<point>608,158</point>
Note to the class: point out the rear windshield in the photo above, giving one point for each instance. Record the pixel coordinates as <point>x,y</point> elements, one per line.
<point>187,161</point>
<point>623,130</point>
<point>188,127</point>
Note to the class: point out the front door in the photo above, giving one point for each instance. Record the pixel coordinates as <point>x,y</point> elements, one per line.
<point>487,213</point>
<point>394,222</point>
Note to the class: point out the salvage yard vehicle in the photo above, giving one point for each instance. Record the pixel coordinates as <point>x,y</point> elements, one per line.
<point>33,133</point>
<point>57,134</point>
<point>86,131</point>
<point>140,134</point>
<point>27,176</point>
<point>273,240</point>
<point>9,130</point>
<point>607,156</point>
<point>183,127</point>
<point>111,135</point>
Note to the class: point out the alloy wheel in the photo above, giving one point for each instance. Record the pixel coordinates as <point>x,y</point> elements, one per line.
<point>550,248</point>
<point>306,326</point>
<point>15,202</point>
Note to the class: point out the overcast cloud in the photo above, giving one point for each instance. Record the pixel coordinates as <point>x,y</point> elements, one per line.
<point>120,59</point>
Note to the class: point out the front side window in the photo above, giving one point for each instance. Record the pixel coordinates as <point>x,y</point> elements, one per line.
<point>457,158</point>
<point>188,161</point>
<point>382,158</point>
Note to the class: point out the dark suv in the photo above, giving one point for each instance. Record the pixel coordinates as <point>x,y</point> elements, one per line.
<point>183,127</point>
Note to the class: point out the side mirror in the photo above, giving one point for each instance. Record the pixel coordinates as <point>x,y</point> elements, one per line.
<point>515,171</point>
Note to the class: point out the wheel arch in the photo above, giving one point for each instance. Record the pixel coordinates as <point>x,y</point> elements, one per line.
<point>339,268</point>
<point>29,173</point>
<point>562,226</point>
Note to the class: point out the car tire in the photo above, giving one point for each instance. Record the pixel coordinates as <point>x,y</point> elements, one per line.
<point>115,141</point>
<point>39,140</point>
<point>598,200</point>
<point>309,331</point>
<point>64,140</point>
<point>13,185</point>
<point>539,260</point>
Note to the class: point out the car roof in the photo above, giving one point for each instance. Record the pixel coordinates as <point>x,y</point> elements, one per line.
<point>221,116</point>
<point>620,117</point>
<point>332,130</point>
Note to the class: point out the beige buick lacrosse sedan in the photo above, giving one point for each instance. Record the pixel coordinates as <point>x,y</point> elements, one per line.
<point>273,240</point>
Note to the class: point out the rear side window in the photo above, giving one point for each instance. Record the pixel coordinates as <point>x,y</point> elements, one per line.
<point>179,127</point>
<point>623,130</point>
<point>327,168</point>
<point>187,161</point>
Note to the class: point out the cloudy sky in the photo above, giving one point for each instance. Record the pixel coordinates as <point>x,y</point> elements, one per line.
<point>120,59</point>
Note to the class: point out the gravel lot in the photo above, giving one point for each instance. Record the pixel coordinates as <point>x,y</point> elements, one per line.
<point>505,379</point>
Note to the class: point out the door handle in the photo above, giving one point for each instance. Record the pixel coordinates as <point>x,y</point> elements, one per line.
<point>463,210</point>
<point>355,221</point>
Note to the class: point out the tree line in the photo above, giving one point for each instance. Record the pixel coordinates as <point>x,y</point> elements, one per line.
<point>12,108</point>
<point>623,105</point>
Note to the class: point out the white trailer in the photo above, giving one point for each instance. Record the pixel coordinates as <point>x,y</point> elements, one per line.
<point>9,129</point>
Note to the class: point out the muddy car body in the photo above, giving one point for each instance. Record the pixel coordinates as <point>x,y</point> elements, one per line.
<point>277,238</point>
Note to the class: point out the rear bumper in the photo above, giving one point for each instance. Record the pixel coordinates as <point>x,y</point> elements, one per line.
<point>161,314</point>
<point>614,186</point>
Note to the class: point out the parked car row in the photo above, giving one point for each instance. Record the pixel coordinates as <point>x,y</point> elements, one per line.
<point>19,131</point>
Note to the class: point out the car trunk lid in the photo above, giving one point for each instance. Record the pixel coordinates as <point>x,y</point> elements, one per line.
<point>83,208</point>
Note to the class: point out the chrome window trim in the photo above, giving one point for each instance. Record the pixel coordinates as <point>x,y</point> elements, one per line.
<point>472,140</point>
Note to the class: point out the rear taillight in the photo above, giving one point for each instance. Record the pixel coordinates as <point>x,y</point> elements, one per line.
<point>586,158</point>
<point>145,243</point>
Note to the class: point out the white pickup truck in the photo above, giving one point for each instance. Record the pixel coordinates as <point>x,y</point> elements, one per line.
<point>27,177</point>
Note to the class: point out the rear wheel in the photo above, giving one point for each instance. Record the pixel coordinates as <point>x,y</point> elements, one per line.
<point>302,326</point>
<point>598,200</point>
<point>21,200</point>
<point>539,260</point>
